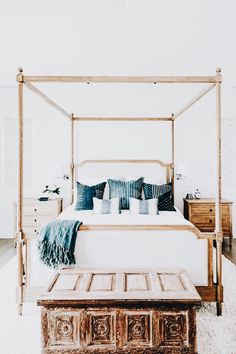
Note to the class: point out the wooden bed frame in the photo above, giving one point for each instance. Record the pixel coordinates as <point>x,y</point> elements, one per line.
<point>214,290</point>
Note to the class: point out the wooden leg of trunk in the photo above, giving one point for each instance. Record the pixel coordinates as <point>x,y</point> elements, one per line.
<point>219,308</point>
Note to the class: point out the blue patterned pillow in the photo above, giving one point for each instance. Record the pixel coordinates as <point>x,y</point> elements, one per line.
<point>85,195</point>
<point>164,194</point>
<point>125,190</point>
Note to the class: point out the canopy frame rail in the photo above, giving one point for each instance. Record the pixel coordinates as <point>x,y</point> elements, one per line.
<point>201,94</point>
<point>124,79</point>
<point>122,119</point>
<point>214,81</point>
<point>47,99</point>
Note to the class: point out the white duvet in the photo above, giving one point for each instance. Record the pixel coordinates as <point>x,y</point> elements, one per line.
<point>125,218</point>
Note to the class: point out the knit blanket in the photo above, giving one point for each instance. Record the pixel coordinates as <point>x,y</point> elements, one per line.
<point>57,242</point>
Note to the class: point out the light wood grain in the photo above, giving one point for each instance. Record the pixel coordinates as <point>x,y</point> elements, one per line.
<point>173,156</point>
<point>122,79</point>
<point>137,283</point>
<point>72,164</point>
<point>20,195</point>
<point>194,100</point>
<point>47,99</point>
<point>218,220</point>
<point>121,119</point>
<point>128,161</point>
<point>201,213</point>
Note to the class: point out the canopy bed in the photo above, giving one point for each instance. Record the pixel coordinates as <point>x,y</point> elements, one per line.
<point>168,241</point>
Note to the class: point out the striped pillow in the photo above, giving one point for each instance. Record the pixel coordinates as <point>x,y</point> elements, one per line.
<point>104,206</point>
<point>86,193</point>
<point>149,206</point>
<point>164,194</point>
<point>125,190</point>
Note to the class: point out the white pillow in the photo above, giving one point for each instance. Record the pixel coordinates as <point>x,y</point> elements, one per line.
<point>149,206</point>
<point>106,206</point>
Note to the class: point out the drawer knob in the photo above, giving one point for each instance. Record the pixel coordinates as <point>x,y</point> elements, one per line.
<point>35,231</point>
<point>35,220</point>
<point>35,209</point>
<point>210,220</point>
<point>211,210</point>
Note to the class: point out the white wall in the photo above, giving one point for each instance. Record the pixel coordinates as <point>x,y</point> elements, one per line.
<point>117,37</point>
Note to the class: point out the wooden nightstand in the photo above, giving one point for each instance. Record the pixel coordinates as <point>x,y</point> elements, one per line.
<point>37,213</point>
<point>201,212</point>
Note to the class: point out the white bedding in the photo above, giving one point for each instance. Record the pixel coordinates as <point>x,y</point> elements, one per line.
<point>125,218</point>
<point>132,249</point>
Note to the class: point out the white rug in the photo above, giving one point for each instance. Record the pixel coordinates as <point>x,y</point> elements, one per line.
<point>21,335</point>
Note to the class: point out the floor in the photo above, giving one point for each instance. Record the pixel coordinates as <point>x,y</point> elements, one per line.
<point>228,252</point>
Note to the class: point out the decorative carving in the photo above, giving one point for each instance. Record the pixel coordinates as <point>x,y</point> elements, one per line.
<point>44,327</point>
<point>83,325</point>
<point>174,328</point>
<point>123,351</point>
<point>118,331</point>
<point>101,328</point>
<point>138,328</point>
<point>64,327</point>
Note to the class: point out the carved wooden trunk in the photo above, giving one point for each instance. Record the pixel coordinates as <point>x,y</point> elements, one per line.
<point>130,311</point>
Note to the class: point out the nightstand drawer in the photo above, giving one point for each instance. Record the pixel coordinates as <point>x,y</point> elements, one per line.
<point>208,220</point>
<point>201,212</point>
<point>40,208</point>
<point>208,209</point>
<point>31,232</point>
<point>30,220</point>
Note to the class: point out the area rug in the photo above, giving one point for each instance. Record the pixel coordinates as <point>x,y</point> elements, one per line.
<point>21,334</point>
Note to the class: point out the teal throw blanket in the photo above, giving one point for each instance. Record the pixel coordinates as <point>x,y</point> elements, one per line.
<point>57,242</point>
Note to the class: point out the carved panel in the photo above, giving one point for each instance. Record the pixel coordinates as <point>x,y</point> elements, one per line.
<point>101,328</point>
<point>137,328</point>
<point>174,328</point>
<point>64,328</point>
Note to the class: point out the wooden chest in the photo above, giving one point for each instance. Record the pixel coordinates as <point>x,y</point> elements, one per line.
<point>201,212</point>
<point>132,311</point>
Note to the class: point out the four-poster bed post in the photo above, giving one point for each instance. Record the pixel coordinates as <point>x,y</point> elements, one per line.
<point>19,235</point>
<point>72,163</point>
<point>214,81</point>
<point>218,221</point>
<point>173,154</point>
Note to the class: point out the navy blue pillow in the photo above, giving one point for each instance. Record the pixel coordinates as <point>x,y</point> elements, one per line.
<point>85,195</point>
<point>125,190</point>
<point>164,194</point>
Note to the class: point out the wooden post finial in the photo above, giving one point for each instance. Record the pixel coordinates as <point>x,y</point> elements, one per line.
<point>19,76</point>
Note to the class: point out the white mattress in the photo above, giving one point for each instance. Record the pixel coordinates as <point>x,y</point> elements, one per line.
<point>125,218</point>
